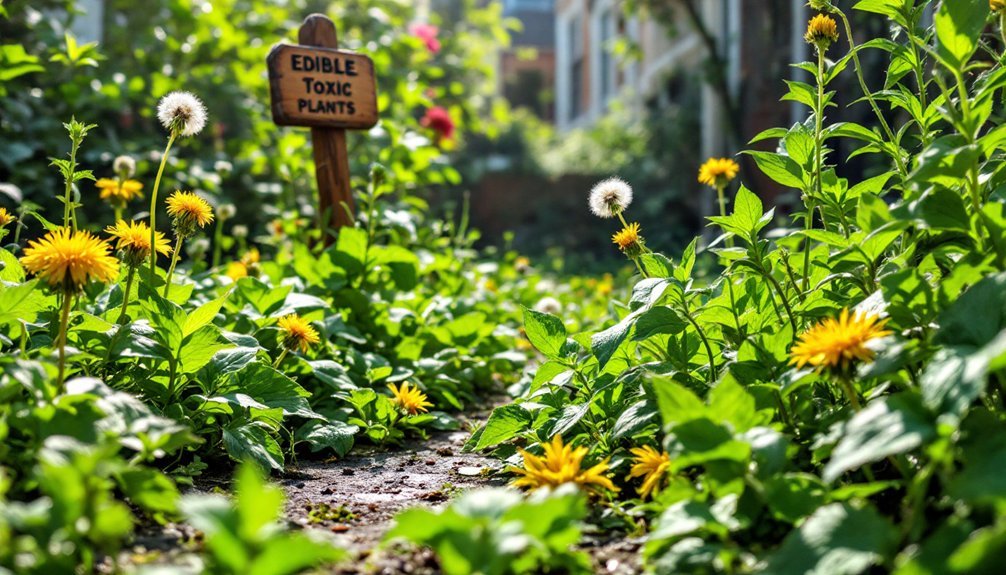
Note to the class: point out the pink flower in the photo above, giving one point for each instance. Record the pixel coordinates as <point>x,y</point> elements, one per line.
<point>428,34</point>
<point>439,120</point>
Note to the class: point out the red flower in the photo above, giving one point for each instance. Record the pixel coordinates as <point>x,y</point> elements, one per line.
<point>428,34</point>
<point>439,120</point>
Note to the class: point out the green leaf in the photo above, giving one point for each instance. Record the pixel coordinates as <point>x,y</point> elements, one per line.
<point>546,332</point>
<point>504,423</point>
<point>838,539</point>
<point>793,496</point>
<point>199,348</point>
<point>334,435</point>
<point>781,169</point>
<point>203,314</point>
<point>959,24</point>
<point>888,426</point>
<point>251,442</point>
<point>675,402</point>
<point>150,489</point>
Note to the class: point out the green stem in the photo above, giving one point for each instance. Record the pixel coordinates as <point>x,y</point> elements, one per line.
<point>68,217</point>
<point>171,269</point>
<point>125,295</point>
<point>782,296</point>
<point>898,160</point>
<point>64,321</point>
<point>153,206</point>
<point>642,272</point>
<point>850,392</point>
<point>818,160</point>
<point>280,358</point>
<point>218,237</point>
<point>705,343</point>
<point>726,274</point>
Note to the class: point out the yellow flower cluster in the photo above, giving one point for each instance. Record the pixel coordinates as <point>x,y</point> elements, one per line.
<point>70,259</point>
<point>133,239</point>
<point>297,333</point>
<point>561,464</point>
<point>188,211</point>
<point>718,172</point>
<point>409,399</point>
<point>837,343</point>
<point>119,192</point>
<point>822,31</point>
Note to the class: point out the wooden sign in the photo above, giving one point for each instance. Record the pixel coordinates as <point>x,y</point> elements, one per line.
<point>330,90</point>
<point>322,87</point>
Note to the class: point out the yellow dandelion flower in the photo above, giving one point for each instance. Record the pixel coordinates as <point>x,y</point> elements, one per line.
<point>119,191</point>
<point>822,31</point>
<point>251,257</point>
<point>70,259</point>
<point>133,238</point>
<point>6,218</point>
<point>237,270</point>
<point>651,465</point>
<point>836,343</point>
<point>297,333</point>
<point>561,464</point>
<point>410,399</point>
<point>628,240</point>
<point>718,172</point>
<point>997,5</point>
<point>188,211</point>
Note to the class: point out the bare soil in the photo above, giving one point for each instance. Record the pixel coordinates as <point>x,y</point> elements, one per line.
<point>355,499</point>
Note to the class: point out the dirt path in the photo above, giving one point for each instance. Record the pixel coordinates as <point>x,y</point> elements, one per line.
<point>356,498</point>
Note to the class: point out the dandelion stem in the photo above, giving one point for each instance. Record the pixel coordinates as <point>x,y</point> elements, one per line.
<point>705,343</point>
<point>218,238</point>
<point>64,320</point>
<point>153,205</point>
<point>850,392</point>
<point>818,168</point>
<point>171,269</point>
<point>69,218</point>
<point>125,295</point>
<point>720,191</point>
<point>280,358</point>
<point>642,272</point>
<point>898,160</point>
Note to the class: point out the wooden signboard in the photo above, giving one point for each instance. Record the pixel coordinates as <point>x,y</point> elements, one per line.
<point>317,85</point>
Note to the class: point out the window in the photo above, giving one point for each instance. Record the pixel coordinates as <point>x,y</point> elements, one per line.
<point>607,29</point>
<point>576,53</point>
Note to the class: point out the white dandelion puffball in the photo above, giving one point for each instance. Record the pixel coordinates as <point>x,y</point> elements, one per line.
<point>124,166</point>
<point>610,198</point>
<point>182,112</point>
<point>548,305</point>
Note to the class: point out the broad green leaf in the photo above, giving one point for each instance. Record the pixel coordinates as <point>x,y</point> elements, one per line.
<point>334,435</point>
<point>891,425</point>
<point>203,314</point>
<point>504,423</point>
<point>959,24</point>
<point>838,539</point>
<point>781,169</point>
<point>251,442</point>
<point>546,332</point>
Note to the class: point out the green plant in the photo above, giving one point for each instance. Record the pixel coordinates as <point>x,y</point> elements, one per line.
<point>245,535</point>
<point>496,531</point>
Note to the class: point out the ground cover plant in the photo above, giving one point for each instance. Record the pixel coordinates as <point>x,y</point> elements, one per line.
<point>818,391</point>
<point>831,400</point>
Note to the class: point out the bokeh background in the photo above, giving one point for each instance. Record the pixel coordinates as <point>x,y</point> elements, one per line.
<point>497,115</point>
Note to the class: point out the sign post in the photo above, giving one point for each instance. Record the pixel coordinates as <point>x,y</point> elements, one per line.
<point>317,85</point>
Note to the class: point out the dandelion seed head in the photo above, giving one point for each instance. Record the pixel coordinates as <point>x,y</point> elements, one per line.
<point>182,113</point>
<point>124,166</point>
<point>610,198</point>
